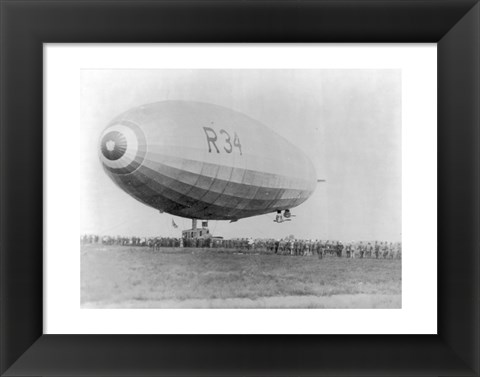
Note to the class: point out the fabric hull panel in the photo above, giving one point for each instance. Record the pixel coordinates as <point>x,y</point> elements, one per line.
<point>160,190</point>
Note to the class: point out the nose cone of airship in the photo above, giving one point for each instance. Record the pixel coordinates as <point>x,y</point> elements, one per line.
<point>122,147</point>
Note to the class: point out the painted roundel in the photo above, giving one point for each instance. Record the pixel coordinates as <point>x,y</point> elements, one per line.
<point>114,145</point>
<point>122,147</point>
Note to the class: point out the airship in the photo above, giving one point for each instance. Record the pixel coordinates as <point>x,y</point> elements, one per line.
<point>204,161</point>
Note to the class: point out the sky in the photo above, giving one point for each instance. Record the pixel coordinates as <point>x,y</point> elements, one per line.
<point>348,122</point>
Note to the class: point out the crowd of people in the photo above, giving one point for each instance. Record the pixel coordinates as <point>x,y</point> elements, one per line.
<point>321,248</point>
<point>287,246</point>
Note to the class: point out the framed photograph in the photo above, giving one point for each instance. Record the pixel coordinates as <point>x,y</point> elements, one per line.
<point>275,184</point>
<point>214,209</point>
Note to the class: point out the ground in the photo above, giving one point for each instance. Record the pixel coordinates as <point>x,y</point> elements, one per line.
<point>130,277</point>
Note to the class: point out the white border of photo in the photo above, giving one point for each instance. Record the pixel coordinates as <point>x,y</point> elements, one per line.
<point>62,313</point>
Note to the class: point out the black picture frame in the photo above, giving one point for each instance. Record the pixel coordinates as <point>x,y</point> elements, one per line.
<point>26,25</point>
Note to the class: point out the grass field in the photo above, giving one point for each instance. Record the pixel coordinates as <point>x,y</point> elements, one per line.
<point>120,276</point>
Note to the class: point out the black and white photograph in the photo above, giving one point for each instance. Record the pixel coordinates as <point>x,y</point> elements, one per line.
<point>241,188</point>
